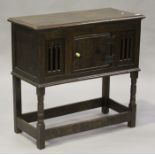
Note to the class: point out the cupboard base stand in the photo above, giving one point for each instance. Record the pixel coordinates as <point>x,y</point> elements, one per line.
<point>41,134</point>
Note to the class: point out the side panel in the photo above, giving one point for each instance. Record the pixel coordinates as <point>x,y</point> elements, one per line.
<point>25,52</point>
<point>53,48</point>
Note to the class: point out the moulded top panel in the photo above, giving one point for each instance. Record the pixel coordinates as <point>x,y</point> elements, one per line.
<point>66,19</point>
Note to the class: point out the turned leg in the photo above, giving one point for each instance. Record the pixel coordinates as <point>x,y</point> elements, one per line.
<point>132,105</point>
<point>105,94</point>
<point>16,102</point>
<point>40,123</point>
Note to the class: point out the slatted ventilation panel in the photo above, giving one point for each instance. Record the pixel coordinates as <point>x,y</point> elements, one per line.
<point>55,57</point>
<point>126,49</point>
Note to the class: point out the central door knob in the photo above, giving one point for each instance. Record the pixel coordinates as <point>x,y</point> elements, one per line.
<point>77,54</point>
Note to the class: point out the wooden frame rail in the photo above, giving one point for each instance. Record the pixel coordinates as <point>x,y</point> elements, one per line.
<point>86,125</point>
<point>64,110</point>
<point>123,115</point>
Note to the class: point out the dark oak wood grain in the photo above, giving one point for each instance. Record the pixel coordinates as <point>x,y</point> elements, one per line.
<point>105,94</point>
<point>48,21</point>
<point>60,48</point>
<point>17,105</point>
<point>40,119</point>
<point>132,105</point>
<point>26,127</point>
<point>117,106</point>
<point>64,110</point>
<point>87,125</point>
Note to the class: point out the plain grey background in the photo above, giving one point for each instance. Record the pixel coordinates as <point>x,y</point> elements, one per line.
<point>115,139</point>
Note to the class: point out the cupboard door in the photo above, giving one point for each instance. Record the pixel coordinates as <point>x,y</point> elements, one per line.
<point>92,51</point>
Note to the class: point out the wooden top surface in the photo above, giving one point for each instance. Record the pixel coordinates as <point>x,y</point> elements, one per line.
<point>57,20</point>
